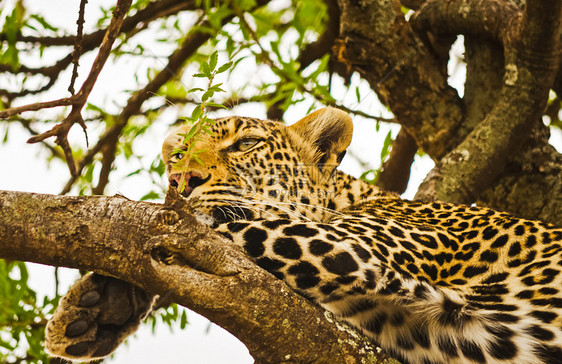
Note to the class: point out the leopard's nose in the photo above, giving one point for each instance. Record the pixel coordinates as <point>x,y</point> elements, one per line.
<point>192,180</point>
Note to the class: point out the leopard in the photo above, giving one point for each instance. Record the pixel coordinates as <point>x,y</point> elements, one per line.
<point>427,282</point>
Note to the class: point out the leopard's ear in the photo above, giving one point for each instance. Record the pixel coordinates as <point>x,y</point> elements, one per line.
<point>328,131</point>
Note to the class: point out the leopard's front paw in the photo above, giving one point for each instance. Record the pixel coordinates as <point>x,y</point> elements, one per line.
<point>95,316</point>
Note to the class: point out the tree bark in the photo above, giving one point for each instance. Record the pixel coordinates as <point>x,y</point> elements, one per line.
<point>483,155</point>
<point>490,146</point>
<point>125,239</point>
<point>376,41</point>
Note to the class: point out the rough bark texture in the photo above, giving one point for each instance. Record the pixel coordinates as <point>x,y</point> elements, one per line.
<point>122,238</point>
<point>531,184</point>
<point>489,146</point>
<point>395,172</point>
<point>483,155</point>
<point>376,41</point>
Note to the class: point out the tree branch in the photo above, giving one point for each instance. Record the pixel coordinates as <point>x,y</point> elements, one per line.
<point>395,172</point>
<point>531,47</point>
<point>77,52</point>
<point>79,100</point>
<point>91,41</point>
<point>122,238</point>
<point>152,11</point>
<point>376,41</point>
<point>36,106</point>
<point>484,18</point>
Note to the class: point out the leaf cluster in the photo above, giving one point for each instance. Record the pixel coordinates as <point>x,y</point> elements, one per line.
<point>22,316</point>
<point>199,119</point>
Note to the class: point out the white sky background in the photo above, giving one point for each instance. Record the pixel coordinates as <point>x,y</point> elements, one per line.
<point>24,169</point>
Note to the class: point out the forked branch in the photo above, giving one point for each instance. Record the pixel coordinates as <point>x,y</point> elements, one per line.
<point>531,46</point>
<point>79,99</point>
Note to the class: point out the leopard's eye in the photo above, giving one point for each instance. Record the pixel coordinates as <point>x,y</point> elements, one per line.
<point>178,155</point>
<point>245,144</point>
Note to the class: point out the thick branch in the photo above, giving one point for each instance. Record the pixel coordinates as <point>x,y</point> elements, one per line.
<point>395,172</point>
<point>484,18</point>
<point>376,41</point>
<point>531,185</point>
<point>122,238</point>
<point>529,75</point>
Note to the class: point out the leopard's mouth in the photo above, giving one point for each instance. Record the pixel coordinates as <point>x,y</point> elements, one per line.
<point>185,183</point>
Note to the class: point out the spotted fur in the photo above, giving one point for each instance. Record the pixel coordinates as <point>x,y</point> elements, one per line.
<point>436,283</point>
<point>430,283</point>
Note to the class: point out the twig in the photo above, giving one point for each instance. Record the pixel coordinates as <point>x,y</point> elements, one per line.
<point>77,45</point>
<point>152,11</point>
<point>365,115</point>
<point>112,31</point>
<point>26,123</point>
<point>35,106</point>
<point>79,100</point>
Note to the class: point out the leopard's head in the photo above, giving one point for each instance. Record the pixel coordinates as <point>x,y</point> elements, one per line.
<point>249,168</point>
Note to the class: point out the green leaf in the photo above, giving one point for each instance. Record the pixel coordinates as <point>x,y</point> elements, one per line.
<point>224,67</point>
<point>183,319</point>
<point>275,48</point>
<point>213,60</point>
<point>197,152</point>
<point>43,22</point>
<point>138,171</point>
<point>207,130</point>
<point>322,67</point>
<point>152,195</point>
<point>195,158</point>
<point>386,146</point>
<point>206,70</point>
<point>216,88</point>
<point>207,95</point>
<point>191,132</point>
<point>214,104</point>
<point>196,113</point>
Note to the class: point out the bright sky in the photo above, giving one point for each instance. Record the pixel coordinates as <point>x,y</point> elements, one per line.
<point>25,169</point>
